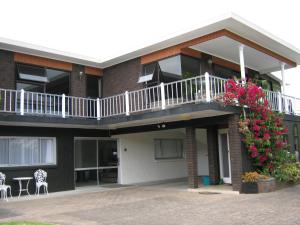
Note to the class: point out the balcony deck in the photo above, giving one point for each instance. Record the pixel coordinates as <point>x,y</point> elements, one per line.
<point>199,96</point>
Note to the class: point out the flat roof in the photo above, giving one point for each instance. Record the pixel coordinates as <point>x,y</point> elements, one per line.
<point>230,22</point>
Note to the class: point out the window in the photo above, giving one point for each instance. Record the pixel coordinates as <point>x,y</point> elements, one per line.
<point>168,149</point>
<point>27,151</point>
<point>170,69</point>
<point>296,140</point>
<point>147,73</point>
<point>41,79</point>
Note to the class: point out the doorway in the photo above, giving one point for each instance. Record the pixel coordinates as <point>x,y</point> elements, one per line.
<point>96,161</point>
<point>224,156</point>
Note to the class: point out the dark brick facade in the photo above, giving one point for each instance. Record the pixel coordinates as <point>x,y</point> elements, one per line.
<point>236,152</point>
<point>213,154</point>
<point>191,157</point>
<point>77,82</point>
<point>122,77</point>
<point>7,70</point>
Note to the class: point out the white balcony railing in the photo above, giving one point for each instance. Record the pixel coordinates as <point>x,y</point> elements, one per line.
<point>204,88</point>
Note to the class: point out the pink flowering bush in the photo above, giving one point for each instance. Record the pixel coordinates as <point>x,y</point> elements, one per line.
<point>262,129</point>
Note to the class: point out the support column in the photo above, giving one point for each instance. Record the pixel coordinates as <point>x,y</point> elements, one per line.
<point>213,155</point>
<point>283,77</point>
<point>191,157</point>
<point>235,147</point>
<point>242,63</point>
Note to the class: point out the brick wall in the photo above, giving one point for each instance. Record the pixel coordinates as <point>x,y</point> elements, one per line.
<point>191,157</point>
<point>122,77</point>
<point>213,154</point>
<point>236,152</point>
<point>7,70</point>
<point>77,85</point>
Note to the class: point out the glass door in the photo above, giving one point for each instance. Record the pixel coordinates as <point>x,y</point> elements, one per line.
<point>86,163</point>
<point>224,156</point>
<point>108,161</point>
<point>96,161</point>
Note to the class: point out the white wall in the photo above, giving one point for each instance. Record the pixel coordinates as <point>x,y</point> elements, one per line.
<point>137,163</point>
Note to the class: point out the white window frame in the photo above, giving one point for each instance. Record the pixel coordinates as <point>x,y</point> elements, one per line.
<point>31,165</point>
<point>169,158</point>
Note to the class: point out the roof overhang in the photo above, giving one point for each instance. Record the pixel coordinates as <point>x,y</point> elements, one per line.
<point>231,23</point>
<point>227,48</point>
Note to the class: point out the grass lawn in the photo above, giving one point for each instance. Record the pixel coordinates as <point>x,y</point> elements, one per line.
<point>24,223</point>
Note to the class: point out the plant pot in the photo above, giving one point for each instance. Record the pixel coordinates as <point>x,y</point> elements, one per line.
<point>261,186</point>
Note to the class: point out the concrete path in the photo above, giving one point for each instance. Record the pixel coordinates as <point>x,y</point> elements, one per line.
<point>158,204</point>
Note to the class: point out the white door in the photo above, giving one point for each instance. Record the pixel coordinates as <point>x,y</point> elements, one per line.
<point>224,156</point>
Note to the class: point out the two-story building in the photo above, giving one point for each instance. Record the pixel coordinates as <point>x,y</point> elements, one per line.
<point>149,115</point>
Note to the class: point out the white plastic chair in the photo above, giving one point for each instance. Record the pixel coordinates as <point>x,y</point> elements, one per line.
<point>3,187</point>
<point>40,181</point>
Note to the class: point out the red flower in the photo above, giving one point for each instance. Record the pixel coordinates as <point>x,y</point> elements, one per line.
<point>266,136</point>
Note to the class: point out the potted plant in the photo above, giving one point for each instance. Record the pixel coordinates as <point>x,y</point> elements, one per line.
<point>253,183</point>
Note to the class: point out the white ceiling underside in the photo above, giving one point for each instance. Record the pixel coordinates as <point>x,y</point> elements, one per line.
<point>227,48</point>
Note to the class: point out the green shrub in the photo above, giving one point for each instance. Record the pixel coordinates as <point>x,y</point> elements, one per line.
<point>287,173</point>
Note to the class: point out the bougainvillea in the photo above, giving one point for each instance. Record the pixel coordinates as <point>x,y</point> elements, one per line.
<point>262,129</point>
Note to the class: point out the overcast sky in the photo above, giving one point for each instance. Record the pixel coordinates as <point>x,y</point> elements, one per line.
<point>105,29</point>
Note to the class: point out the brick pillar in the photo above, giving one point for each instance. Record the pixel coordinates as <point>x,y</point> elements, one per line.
<point>191,157</point>
<point>235,146</point>
<point>213,154</point>
<point>7,70</point>
<point>77,83</point>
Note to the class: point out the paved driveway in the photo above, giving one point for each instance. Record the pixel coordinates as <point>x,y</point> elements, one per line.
<point>159,204</point>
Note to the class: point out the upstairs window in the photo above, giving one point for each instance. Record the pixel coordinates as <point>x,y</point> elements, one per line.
<point>147,73</point>
<point>170,69</point>
<point>41,79</point>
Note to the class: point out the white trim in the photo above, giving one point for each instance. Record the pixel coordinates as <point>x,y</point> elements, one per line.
<point>225,179</point>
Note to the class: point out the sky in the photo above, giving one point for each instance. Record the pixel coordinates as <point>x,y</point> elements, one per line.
<point>105,29</point>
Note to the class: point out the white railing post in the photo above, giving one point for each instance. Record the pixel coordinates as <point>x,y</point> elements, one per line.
<point>22,102</point>
<point>63,106</point>
<point>163,98</point>
<point>207,87</point>
<point>98,109</point>
<point>127,103</point>
<point>279,102</point>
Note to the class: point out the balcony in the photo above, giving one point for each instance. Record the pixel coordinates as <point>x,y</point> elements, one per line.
<point>201,89</point>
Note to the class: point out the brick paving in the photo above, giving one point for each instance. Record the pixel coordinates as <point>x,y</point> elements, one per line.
<point>158,204</point>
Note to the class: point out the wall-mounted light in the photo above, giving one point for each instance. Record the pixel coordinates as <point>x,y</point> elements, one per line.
<point>80,75</point>
<point>209,61</point>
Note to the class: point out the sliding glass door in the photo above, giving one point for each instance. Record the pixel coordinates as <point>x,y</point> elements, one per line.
<point>96,161</point>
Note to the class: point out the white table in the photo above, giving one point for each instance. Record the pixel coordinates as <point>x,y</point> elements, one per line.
<point>20,179</point>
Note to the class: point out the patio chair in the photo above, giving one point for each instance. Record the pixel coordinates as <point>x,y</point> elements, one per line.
<point>3,187</point>
<point>40,181</point>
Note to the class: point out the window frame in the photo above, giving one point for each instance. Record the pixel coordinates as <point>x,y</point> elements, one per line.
<point>31,165</point>
<point>18,80</point>
<point>168,158</point>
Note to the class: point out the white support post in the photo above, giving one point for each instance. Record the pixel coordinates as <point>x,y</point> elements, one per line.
<point>242,63</point>
<point>98,109</point>
<point>22,102</point>
<point>163,98</point>
<point>63,106</point>
<point>127,103</point>
<point>285,102</point>
<point>279,102</point>
<point>282,65</point>
<point>207,87</point>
